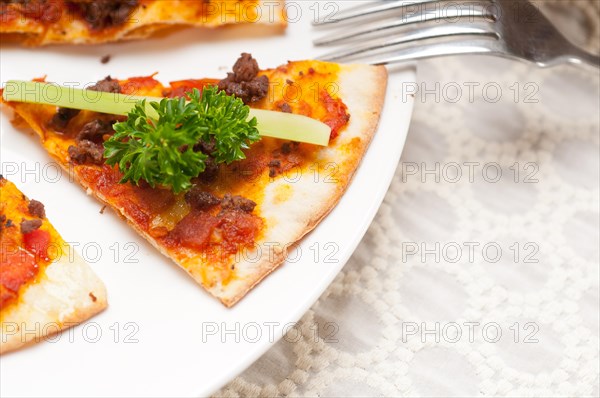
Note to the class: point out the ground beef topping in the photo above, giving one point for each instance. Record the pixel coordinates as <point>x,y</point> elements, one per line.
<point>62,117</point>
<point>107,85</point>
<point>235,202</point>
<point>244,82</point>
<point>89,148</point>
<point>28,226</point>
<point>289,147</point>
<point>211,167</point>
<point>211,171</point>
<point>203,200</point>
<point>102,14</point>
<point>206,148</point>
<point>86,152</point>
<point>200,199</point>
<point>94,131</point>
<point>36,208</point>
<point>274,167</point>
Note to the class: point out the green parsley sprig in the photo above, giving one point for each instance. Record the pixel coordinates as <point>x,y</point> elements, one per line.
<point>156,142</point>
<point>160,149</point>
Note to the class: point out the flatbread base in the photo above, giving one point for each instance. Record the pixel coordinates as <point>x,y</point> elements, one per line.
<point>362,88</point>
<point>66,294</point>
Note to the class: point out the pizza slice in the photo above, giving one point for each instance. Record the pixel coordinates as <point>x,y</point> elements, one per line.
<point>44,285</point>
<point>41,22</point>
<point>236,221</point>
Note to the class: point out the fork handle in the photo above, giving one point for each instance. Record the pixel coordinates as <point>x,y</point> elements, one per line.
<point>580,57</point>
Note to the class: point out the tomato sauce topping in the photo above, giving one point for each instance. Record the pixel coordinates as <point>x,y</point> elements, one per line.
<point>37,242</point>
<point>17,267</point>
<point>22,255</point>
<point>143,85</point>
<point>181,87</point>
<point>218,232</point>
<point>222,235</point>
<point>194,230</point>
<point>337,113</point>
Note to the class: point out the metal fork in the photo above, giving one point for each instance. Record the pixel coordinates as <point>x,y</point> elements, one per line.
<point>401,30</point>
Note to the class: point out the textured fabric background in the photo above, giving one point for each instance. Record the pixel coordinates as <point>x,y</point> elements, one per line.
<point>398,324</point>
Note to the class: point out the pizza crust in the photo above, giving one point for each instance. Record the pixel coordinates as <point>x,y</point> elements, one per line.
<point>362,88</point>
<point>66,294</point>
<point>148,20</point>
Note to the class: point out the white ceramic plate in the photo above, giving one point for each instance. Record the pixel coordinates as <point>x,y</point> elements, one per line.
<point>162,335</point>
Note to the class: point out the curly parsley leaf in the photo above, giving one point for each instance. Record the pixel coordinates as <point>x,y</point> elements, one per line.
<point>160,149</point>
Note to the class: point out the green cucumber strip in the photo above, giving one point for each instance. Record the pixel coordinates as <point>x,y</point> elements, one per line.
<point>281,125</point>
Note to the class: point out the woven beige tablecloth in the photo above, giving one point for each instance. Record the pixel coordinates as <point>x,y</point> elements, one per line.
<point>480,273</point>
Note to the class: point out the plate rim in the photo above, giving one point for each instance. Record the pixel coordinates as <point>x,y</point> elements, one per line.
<point>316,293</point>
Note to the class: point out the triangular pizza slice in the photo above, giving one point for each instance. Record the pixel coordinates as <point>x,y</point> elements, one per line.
<point>45,286</point>
<point>238,221</point>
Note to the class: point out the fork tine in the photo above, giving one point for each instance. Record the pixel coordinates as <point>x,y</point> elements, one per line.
<point>475,46</point>
<point>369,9</point>
<point>376,29</point>
<point>448,30</point>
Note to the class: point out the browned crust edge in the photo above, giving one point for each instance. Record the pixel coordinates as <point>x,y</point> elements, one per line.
<point>82,312</point>
<point>379,87</point>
